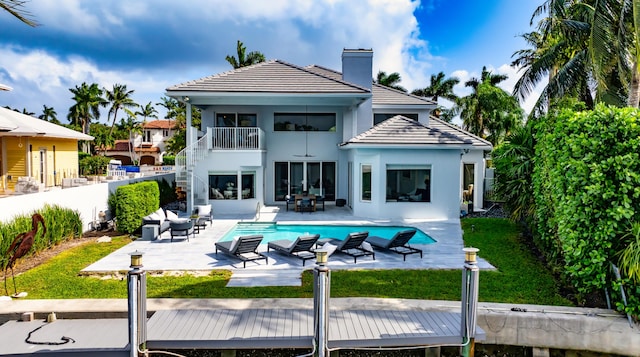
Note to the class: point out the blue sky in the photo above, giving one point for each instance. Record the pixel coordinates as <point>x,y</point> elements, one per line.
<point>152,44</point>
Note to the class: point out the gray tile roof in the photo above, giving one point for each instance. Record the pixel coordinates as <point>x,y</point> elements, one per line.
<point>381,95</point>
<point>402,131</point>
<point>273,76</point>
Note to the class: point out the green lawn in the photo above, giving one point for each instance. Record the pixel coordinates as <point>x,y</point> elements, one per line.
<point>519,279</point>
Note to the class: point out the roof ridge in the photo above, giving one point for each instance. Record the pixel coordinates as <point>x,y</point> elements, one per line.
<point>425,99</point>
<point>455,127</point>
<point>223,74</point>
<point>306,69</point>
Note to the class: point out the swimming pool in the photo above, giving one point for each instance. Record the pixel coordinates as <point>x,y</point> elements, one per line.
<point>274,231</point>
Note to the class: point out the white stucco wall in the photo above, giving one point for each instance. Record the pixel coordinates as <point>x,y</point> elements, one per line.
<point>445,191</point>
<point>87,200</point>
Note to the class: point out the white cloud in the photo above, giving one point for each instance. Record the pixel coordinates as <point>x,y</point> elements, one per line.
<point>37,75</point>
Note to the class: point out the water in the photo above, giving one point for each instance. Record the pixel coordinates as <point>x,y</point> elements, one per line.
<point>275,231</point>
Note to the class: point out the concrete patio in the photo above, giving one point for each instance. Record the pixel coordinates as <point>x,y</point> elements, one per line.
<point>197,256</point>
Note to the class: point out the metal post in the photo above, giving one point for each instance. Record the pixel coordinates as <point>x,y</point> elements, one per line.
<point>470,275</point>
<point>322,283</point>
<point>137,296</point>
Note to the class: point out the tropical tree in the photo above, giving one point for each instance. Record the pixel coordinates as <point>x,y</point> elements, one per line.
<point>147,111</point>
<point>16,8</point>
<point>171,105</point>
<point>49,114</point>
<point>439,87</point>
<point>558,53</point>
<point>88,100</point>
<point>392,80</point>
<point>102,139</point>
<point>489,112</point>
<point>244,59</point>
<point>514,161</point>
<point>119,97</point>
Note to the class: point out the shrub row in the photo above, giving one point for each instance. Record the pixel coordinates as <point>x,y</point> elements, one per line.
<point>586,184</point>
<point>132,202</point>
<point>61,224</point>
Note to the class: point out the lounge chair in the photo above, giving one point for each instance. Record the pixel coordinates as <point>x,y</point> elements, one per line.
<point>244,248</point>
<point>398,244</point>
<point>351,245</point>
<point>300,248</point>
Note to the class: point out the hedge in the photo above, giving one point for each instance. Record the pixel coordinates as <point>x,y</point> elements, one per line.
<point>587,191</point>
<point>132,202</point>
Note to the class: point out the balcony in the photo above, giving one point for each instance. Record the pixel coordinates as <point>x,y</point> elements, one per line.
<point>236,138</point>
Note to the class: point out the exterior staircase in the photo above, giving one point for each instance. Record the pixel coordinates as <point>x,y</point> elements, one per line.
<point>185,163</point>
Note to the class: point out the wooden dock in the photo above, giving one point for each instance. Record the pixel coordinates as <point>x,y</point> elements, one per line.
<point>293,328</point>
<point>230,329</point>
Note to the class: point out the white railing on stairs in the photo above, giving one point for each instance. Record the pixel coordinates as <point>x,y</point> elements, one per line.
<point>187,158</point>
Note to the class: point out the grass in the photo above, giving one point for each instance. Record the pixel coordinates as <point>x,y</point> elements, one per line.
<point>520,277</point>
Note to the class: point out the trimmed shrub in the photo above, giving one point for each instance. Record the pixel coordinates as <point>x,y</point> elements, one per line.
<point>168,160</point>
<point>132,202</point>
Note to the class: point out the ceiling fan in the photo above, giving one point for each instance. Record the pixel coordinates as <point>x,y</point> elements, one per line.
<point>306,137</point>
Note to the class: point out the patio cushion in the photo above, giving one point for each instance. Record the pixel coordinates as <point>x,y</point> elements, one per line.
<point>171,216</point>
<point>330,248</point>
<point>203,210</point>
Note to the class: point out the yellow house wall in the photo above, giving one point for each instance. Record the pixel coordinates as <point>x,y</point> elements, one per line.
<point>15,157</point>
<point>63,160</point>
<point>25,160</point>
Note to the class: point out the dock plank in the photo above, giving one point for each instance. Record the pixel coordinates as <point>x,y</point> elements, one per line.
<point>293,328</point>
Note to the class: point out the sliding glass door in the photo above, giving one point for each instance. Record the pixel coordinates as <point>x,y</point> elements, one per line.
<point>318,178</point>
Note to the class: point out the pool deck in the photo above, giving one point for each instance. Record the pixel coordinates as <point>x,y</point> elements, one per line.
<point>198,254</point>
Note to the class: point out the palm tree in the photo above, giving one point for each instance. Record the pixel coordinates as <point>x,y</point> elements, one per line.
<point>119,97</point>
<point>244,59</point>
<point>392,80</point>
<point>171,105</point>
<point>148,111</point>
<point>26,112</point>
<point>88,100</point>
<point>489,112</point>
<point>16,8</point>
<point>558,52</point>
<point>439,87</point>
<point>49,114</point>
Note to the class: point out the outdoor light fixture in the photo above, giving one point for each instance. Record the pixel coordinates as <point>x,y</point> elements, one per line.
<point>136,259</point>
<point>186,98</point>
<point>470,254</point>
<point>321,256</point>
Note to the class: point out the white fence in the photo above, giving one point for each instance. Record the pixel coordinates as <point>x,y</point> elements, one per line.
<point>88,200</point>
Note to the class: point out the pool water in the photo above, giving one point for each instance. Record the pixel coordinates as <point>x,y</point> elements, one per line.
<point>274,231</point>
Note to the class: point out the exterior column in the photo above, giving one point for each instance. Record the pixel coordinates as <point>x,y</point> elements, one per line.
<point>190,158</point>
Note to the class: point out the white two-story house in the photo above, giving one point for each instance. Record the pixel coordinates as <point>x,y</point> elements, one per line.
<point>276,129</point>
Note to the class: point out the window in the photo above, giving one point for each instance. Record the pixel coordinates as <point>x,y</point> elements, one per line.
<point>366,182</point>
<point>147,136</point>
<point>165,133</point>
<point>225,186</point>
<point>379,118</point>
<point>408,183</point>
<point>232,120</point>
<point>304,122</point>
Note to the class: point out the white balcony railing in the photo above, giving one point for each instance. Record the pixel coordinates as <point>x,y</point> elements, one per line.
<point>237,138</point>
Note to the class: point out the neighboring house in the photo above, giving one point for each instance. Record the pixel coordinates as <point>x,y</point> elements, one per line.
<point>35,154</point>
<point>148,147</point>
<point>276,129</point>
